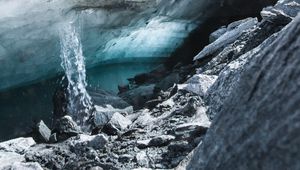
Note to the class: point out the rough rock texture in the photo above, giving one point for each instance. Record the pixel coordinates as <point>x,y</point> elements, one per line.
<point>261,115</point>
<point>237,109</point>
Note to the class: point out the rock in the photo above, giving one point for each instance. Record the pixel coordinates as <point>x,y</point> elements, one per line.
<point>261,113</point>
<point>229,77</point>
<point>168,81</point>
<point>104,114</point>
<point>95,141</point>
<point>123,88</point>
<point>125,158</point>
<point>60,101</point>
<point>152,103</point>
<point>51,156</point>
<point>227,38</point>
<point>217,34</point>
<point>142,159</point>
<point>139,96</point>
<point>142,144</point>
<point>43,132</point>
<point>8,158</point>
<point>198,84</point>
<point>19,145</point>
<point>103,98</point>
<point>160,141</point>
<point>53,138</point>
<point>276,16</point>
<point>180,146</point>
<point>189,131</point>
<point>23,166</point>
<point>190,108</point>
<point>173,90</point>
<point>65,128</point>
<point>117,123</point>
<point>96,168</point>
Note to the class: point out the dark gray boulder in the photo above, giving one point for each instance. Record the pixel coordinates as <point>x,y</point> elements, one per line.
<point>65,128</point>
<point>259,123</point>
<point>137,97</point>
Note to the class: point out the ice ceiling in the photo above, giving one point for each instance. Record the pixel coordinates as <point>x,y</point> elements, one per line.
<point>111,31</point>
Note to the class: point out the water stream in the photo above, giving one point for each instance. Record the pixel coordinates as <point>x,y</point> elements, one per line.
<point>73,64</point>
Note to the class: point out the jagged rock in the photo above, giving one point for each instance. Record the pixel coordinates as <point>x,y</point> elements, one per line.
<point>142,159</point>
<point>217,34</point>
<point>22,166</point>
<point>117,123</point>
<point>229,77</point>
<point>104,114</point>
<point>19,145</point>
<point>95,141</point>
<point>53,138</point>
<point>189,130</point>
<point>103,98</point>
<point>198,84</point>
<point>190,108</point>
<point>8,158</point>
<point>227,38</point>
<point>50,156</point>
<point>168,81</point>
<point>43,132</point>
<point>139,96</point>
<point>180,146</point>
<point>125,158</point>
<point>276,16</point>
<point>142,144</point>
<point>160,141</point>
<point>65,127</point>
<point>261,113</point>
<point>152,103</point>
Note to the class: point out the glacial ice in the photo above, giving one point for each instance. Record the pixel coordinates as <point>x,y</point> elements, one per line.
<point>112,31</point>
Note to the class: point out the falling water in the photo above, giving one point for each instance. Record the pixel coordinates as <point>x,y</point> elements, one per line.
<point>80,104</point>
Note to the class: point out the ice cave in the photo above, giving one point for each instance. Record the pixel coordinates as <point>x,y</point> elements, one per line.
<point>149,84</point>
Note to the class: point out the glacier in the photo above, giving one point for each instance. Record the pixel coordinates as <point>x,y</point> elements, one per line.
<point>111,32</point>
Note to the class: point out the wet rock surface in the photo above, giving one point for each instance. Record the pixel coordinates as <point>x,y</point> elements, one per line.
<point>239,106</point>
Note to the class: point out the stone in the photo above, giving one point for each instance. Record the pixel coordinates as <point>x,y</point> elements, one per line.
<point>117,123</point>
<point>23,166</point>
<point>142,159</point>
<point>189,131</point>
<point>103,98</point>
<point>227,38</point>
<point>198,84</point>
<point>65,127</point>
<point>137,97</point>
<point>125,158</point>
<point>190,108</point>
<point>18,145</point>
<point>152,103</point>
<point>217,34</point>
<point>53,138</point>
<point>142,144</point>
<point>104,114</point>
<point>8,158</point>
<point>168,81</point>
<point>180,146</point>
<point>160,141</point>
<point>94,141</point>
<point>43,132</point>
<point>261,114</point>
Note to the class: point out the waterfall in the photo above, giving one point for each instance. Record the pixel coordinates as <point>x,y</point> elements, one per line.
<point>80,104</point>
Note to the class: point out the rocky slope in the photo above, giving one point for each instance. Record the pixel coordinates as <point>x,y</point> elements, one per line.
<point>235,107</point>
